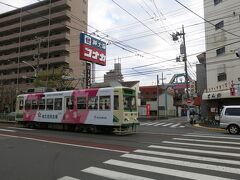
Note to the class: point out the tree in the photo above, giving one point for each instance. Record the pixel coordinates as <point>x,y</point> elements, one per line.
<point>55,79</point>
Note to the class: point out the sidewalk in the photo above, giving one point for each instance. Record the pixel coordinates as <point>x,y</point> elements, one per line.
<point>208,127</point>
<point>155,118</point>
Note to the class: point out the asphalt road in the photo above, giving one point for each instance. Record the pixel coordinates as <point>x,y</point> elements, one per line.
<point>161,149</point>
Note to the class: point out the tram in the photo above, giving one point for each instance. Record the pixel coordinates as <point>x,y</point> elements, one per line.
<point>110,110</point>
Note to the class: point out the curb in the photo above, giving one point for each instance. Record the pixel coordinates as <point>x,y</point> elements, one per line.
<point>209,128</point>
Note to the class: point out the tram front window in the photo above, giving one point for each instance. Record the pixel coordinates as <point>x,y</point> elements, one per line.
<point>129,103</point>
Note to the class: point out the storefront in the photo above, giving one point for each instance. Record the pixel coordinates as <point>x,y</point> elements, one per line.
<point>216,100</point>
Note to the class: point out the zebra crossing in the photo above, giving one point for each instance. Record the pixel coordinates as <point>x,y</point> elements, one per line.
<point>163,124</point>
<point>191,156</point>
<point>15,129</point>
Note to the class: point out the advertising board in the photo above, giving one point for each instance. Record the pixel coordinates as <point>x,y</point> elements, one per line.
<point>92,49</point>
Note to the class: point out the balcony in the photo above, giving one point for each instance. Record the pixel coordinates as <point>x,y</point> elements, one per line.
<point>33,42</point>
<point>35,31</point>
<point>35,21</point>
<point>35,10</point>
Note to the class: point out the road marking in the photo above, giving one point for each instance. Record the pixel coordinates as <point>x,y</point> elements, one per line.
<point>159,124</point>
<point>196,151</point>
<point>182,126</point>
<point>67,178</point>
<point>149,124</point>
<point>166,171</point>
<point>200,158</point>
<point>175,125</point>
<point>7,130</point>
<point>201,145</point>
<point>113,174</point>
<point>142,124</point>
<point>17,128</point>
<point>66,144</point>
<point>184,163</point>
<point>167,124</point>
<point>201,140</point>
<point>214,137</point>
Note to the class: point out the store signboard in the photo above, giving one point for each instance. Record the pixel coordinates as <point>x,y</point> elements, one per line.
<point>88,75</point>
<point>92,49</point>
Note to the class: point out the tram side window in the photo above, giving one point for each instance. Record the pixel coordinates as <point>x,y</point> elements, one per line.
<point>105,102</point>
<point>27,104</point>
<point>81,102</point>
<point>116,102</point>
<point>93,102</point>
<point>42,104</point>
<point>20,104</point>
<point>34,104</point>
<point>58,104</point>
<point>49,104</point>
<point>69,103</point>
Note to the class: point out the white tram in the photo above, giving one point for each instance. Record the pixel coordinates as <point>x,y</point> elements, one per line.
<point>110,109</point>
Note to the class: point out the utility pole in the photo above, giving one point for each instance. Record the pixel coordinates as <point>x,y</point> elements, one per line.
<point>19,51</point>
<point>48,40</point>
<point>157,97</point>
<point>37,56</point>
<point>185,61</point>
<point>165,97</point>
<point>183,53</point>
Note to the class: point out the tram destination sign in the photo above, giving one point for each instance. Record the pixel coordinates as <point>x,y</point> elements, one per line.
<point>92,49</point>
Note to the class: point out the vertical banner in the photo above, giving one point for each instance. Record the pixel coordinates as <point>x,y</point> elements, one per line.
<point>88,75</point>
<point>148,110</point>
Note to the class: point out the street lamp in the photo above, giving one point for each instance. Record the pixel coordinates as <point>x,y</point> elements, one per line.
<point>35,70</point>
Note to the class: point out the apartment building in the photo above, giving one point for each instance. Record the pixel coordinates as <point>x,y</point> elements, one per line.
<point>222,32</point>
<point>41,36</point>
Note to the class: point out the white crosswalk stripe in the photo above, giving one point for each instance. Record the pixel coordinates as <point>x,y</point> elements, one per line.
<point>166,171</point>
<point>175,125</point>
<point>19,128</point>
<point>7,130</point>
<point>192,157</point>
<point>113,174</point>
<point>183,163</point>
<point>163,124</point>
<point>174,158</point>
<point>168,124</point>
<point>159,124</point>
<point>202,145</point>
<point>67,178</point>
<point>208,141</point>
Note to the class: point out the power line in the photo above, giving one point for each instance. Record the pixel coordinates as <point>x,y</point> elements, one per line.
<point>205,19</point>
<point>138,20</point>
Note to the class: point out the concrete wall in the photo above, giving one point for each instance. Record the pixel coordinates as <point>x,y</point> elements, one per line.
<point>217,38</point>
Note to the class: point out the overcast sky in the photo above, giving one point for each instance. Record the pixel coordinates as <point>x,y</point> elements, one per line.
<point>143,28</point>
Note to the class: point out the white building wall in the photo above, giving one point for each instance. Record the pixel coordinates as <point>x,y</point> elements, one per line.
<point>227,11</point>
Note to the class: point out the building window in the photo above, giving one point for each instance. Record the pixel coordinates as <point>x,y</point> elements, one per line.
<point>216,2</point>
<point>219,25</point>
<point>222,76</point>
<point>220,51</point>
